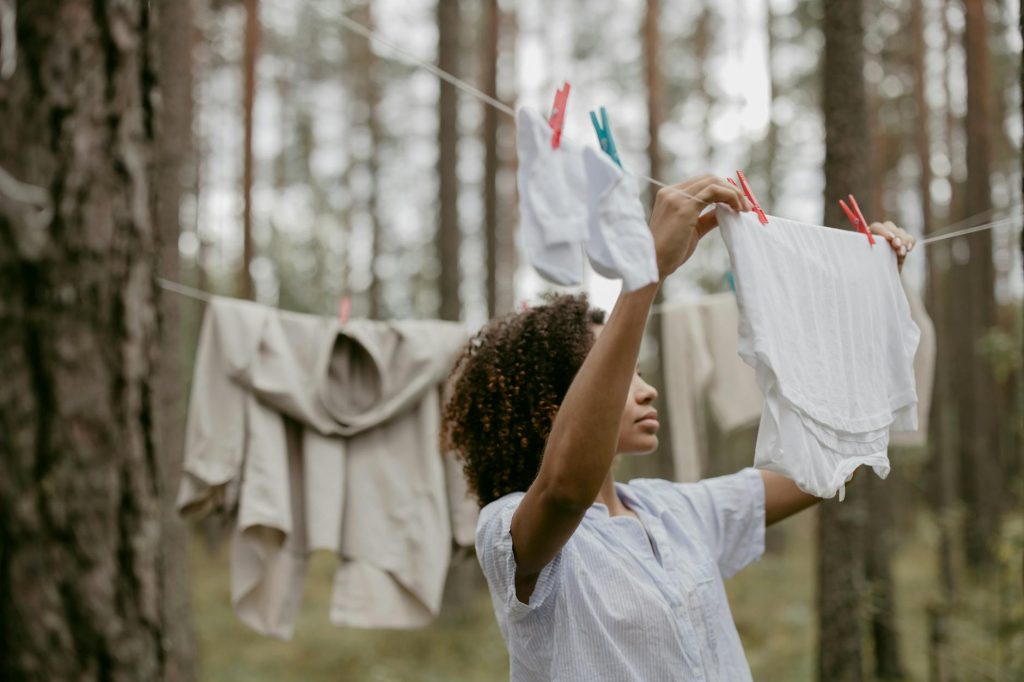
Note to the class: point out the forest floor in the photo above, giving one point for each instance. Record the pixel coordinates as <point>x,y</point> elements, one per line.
<point>773,603</point>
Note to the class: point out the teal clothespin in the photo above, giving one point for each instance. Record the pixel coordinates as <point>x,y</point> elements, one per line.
<point>604,136</point>
<point>730,279</point>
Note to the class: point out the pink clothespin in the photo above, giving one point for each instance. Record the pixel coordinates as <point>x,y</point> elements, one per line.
<point>557,118</point>
<point>524,306</point>
<point>344,308</point>
<point>750,195</point>
<point>856,218</point>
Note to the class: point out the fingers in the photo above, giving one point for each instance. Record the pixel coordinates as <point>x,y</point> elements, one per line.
<point>723,192</point>
<point>718,191</point>
<point>901,241</point>
<point>707,222</point>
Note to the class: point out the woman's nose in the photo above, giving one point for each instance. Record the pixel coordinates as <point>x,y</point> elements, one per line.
<point>648,393</point>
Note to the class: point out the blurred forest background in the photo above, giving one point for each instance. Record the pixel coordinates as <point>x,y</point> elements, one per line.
<point>265,149</point>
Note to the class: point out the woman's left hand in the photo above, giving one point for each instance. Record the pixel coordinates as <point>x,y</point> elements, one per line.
<point>899,239</point>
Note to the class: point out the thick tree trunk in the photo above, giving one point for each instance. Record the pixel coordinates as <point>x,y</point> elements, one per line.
<point>840,524</point>
<point>80,516</point>
<point>174,161</point>
<point>981,461</point>
<point>880,529</point>
<point>942,427</point>
<point>448,23</point>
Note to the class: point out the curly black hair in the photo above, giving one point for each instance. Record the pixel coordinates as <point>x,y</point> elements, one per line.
<point>506,388</point>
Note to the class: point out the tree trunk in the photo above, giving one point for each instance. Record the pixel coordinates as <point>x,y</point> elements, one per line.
<point>880,529</point>
<point>507,198</point>
<point>489,84</point>
<point>368,91</point>
<point>942,427</point>
<point>772,137</point>
<point>840,524</point>
<point>251,46</point>
<point>81,549</point>
<point>174,162</point>
<point>659,465</point>
<point>981,460</point>
<point>448,23</point>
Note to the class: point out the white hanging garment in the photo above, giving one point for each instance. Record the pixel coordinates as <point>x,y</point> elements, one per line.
<point>826,325</point>
<point>620,244</point>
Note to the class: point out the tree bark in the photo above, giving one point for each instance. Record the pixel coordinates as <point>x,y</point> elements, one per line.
<point>251,46</point>
<point>80,517</point>
<point>448,22</point>
<point>174,162</point>
<point>840,524</point>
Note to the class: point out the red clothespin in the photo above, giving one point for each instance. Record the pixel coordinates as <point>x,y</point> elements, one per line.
<point>557,118</point>
<point>750,195</point>
<point>344,308</point>
<point>856,218</point>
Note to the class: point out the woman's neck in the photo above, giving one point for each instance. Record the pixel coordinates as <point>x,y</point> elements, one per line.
<point>609,498</point>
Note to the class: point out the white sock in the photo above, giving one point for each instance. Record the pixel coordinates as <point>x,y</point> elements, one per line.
<point>620,243</point>
<point>552,200</point>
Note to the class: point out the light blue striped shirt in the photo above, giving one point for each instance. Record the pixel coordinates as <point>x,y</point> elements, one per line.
<point>610,606</point>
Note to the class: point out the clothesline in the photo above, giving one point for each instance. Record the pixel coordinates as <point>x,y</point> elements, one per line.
<point>371,35</point>
<point>457,82</point>
<point>206,297</point>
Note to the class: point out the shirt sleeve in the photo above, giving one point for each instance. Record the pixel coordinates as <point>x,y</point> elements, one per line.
<point>729,511</point>
<point>494,552</point>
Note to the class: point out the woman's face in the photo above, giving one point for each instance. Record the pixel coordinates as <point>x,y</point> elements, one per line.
<point>638,426</point>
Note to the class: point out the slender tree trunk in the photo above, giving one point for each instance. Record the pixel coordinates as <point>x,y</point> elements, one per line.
<point>81,550</point>
<point>448,24</point>
<point>772,137</point>
<point>507,199</point>
<point>840,524</point>
<point>489,84</point>
<point>174,164</point>
<point>662,465</point>
<point>370,93</point>
<point>251,41</point>
<point>655,90</point>
<point>982,462</point>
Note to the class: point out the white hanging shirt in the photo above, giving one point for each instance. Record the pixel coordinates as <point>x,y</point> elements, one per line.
<point>826,325</point>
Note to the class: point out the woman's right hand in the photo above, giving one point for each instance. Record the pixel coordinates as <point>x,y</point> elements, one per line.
<point>676,222</point>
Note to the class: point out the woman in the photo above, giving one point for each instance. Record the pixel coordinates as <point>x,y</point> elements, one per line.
<point>593,579</point>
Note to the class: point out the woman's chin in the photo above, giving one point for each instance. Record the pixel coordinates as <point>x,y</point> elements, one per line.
<point>645,446</point>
